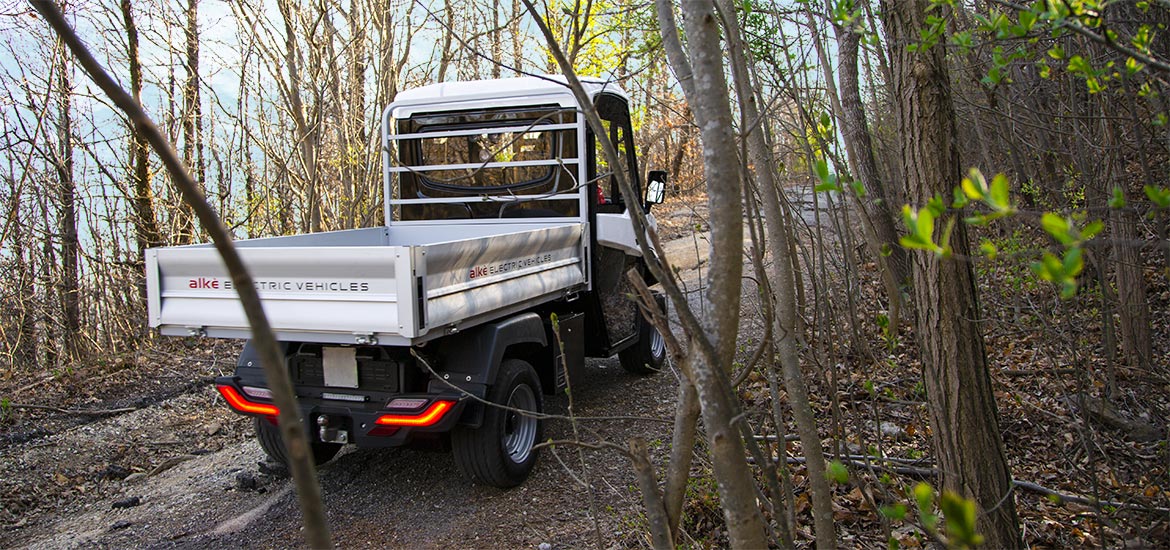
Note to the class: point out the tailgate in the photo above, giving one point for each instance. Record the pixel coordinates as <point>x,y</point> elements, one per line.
<point>328,294</point>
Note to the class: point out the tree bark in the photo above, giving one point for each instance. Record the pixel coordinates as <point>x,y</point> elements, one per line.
<point>962,406</point>
<point>306,133</point>
<point>782,284</point>
<point>67,212</point>
<point>1133,310</point>
<point>145,223</point>
<point>709,99</point>
<point>875,205</point>
<point>448,33</point>
<point>192,121</point>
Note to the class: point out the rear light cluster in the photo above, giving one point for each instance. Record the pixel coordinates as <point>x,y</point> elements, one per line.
<point>431,416</point>
<point>239,403</point>
<point>428,417</point>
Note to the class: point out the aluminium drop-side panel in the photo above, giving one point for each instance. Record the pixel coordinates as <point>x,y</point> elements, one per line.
<point>332,289</point>
<point>470,278</point>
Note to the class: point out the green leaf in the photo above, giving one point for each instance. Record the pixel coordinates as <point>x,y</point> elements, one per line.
<point>837,472</point>
<point>961,200</point>
<point>925,225</point>
<point>1057,226</point>
<point>960,514</point>
<point>858,188</point>
<point>1027,20</point>
<point>936,206</point>
<point>974,185</point>
<point>1142,39</point>
<point>1092,230</point>
<point>989,250</point>
<point>1160,196</point>
<point>1077,64</point>
<point>1073,262</point>
<point>821,188</point>
<point>897,512</point>
<point>1118,198</point>
<point>822,169</point>
<point>1000,189</point>
<point>924,498</point>
<point>1056,52</point>
<point>1132,66</point>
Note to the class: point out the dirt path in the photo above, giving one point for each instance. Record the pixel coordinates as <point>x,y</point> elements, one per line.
<point>186,472</point>
<point>375,497</point>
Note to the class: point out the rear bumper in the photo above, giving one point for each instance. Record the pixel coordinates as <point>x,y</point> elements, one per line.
<point>367,424</point>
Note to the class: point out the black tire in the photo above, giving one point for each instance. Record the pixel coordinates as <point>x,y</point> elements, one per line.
<point>268,434</point>
<point>648,356</point>
<point>499,453</point>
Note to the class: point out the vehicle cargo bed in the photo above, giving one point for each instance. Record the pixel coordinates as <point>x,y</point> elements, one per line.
<point>393,285</point>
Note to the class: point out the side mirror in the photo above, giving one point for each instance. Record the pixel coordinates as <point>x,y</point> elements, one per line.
<point>655,187</point>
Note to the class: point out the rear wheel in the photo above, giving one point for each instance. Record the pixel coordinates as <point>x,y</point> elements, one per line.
<point>648,356</point>
<point>499,452</point>
<point>268,434</point>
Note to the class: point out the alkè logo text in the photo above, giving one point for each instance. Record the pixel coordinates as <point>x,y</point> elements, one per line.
<point>204,283</point>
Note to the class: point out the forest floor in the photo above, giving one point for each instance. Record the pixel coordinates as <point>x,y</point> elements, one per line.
<point>140,451</point>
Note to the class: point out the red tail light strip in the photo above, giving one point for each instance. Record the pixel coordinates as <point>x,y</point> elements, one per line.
<point>239,403</point>
<point>429,417</point>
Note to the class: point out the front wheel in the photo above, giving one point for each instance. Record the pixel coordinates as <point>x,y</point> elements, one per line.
<point>500,452</point>
<point>268,435</point>
<point>648,356</point>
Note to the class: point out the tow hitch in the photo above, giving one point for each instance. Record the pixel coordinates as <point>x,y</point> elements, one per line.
<point>330,435</point>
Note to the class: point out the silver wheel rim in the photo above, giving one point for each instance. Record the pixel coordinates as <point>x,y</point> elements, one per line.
<point>657,345</point>
<point>519,429</point>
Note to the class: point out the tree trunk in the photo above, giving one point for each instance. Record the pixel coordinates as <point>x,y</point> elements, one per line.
<point>306,134</point>
<point>707,95</point>
<point>1132,303</point>
<point>145,224</point>
<point>497,40</point>
<point>875,205</point>
<point>67,213</point>
<point>192,122</point>
<point>962,406</point>
<point>1133,309</point>
<point>782,284</point>
<point>517,41</point>
<point>22,307</point>
<point>448,33</point>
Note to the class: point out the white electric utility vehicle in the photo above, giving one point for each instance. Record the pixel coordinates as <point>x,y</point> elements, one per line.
<point>501,214</point>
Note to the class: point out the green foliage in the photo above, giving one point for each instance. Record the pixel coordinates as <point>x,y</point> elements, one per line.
<point>1160,196</point>
<point>828,181</point>
<point>1063,270</point>
<point>936,25</point>
<point>837,472</point>
<point>959,513</point>
<point>896,512</point>
<point>960,520</point>
<point>996,195</point>
<point>920,224</point>
<point>1065,231</point>
<point>1118,198</point>
<point>924,499</point>
<point>5,410</point>
<point>989,249</point>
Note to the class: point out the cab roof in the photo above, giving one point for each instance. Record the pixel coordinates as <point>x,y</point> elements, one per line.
<point>540,89</point>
